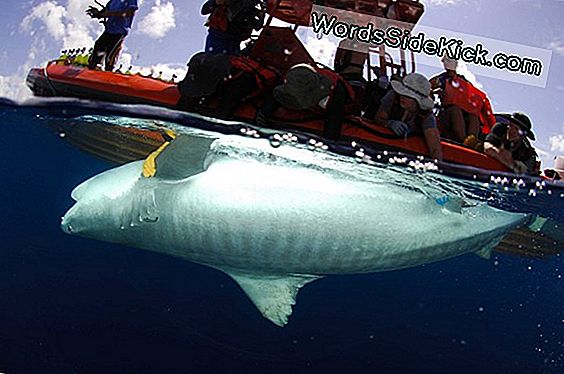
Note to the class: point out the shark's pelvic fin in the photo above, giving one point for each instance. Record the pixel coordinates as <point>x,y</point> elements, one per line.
<point>273,295</point>
<point>178,159</point>
<point>485,252</point>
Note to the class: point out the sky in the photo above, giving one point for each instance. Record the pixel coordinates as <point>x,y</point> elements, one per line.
<point>166,33</point>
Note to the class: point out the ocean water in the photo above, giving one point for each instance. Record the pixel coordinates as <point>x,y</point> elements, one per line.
<point>76,305</point>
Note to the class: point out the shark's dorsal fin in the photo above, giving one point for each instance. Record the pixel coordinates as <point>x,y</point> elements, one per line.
<point>273,295</point>
<point>182,158</point>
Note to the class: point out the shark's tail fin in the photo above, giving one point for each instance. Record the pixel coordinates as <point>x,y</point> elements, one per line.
<point>542,238</point>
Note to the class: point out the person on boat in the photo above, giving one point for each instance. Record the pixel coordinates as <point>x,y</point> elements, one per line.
<point>557,172</point>
<point>406,110</point>
<point>375,92</point>
<point>509,143</point>
<point>227,79</point>
<point>349,62</point>
<point>465,113</point>
<point>118,15</point>
<point>318,90</point>
<point>230,22</point>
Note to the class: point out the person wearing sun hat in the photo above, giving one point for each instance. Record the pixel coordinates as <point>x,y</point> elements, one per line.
<point>406,110</point>
<point>509,143</point>
<point>306,88</point>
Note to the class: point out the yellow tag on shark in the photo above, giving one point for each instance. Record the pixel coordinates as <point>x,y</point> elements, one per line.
<point>150,164</point>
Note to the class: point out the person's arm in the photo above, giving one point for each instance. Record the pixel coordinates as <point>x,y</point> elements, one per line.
<point>383,112</point>
<point>493,146</point>
<point>382,117</point>
<point>433,141</point>
<point>104,13</point>
<point>500,154</point>
<point>435,82</point>
<point>399,128</point>
<point>118,13</point>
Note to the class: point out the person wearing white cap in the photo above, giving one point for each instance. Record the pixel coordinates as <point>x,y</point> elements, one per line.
<point>406,110</point>
<point>456,123</point>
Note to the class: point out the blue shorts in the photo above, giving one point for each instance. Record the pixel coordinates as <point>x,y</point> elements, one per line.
<point>219,42</point>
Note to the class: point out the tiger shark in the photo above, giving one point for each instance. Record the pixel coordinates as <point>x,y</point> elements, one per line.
<point>275,219</point>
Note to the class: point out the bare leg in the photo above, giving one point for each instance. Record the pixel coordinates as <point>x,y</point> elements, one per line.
<point>472,124</point>
<point>452,123</point>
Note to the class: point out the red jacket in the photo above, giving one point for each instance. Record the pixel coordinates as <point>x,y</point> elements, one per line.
<point>464,95</point>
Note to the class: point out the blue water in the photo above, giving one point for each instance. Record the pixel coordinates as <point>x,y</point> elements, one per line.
<point>76,305</point>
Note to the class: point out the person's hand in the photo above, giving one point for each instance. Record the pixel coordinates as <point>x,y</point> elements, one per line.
<point>260,119</point>
<point>519,167</point>
<point>93,12</point>
<point>400,128</point>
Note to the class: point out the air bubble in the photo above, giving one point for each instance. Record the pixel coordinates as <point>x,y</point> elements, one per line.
<point>311,144</point>
<point>275,141</point>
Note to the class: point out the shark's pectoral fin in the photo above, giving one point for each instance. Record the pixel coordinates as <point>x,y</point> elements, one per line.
<point>179,158</point>
<point>273,295</point>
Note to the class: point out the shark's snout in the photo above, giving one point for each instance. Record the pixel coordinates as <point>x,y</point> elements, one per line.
<point>69,222</point>
<point>66,226</point>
